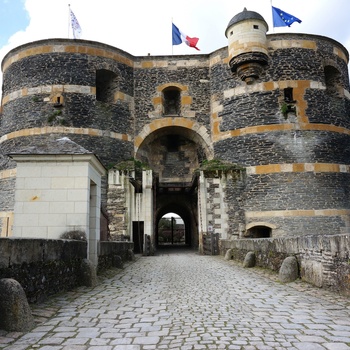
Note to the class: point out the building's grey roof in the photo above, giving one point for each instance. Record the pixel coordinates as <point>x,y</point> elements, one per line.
<point>244,15</point>
<point>62,145</point>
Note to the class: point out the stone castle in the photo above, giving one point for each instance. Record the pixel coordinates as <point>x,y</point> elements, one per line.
<point>249,141</point>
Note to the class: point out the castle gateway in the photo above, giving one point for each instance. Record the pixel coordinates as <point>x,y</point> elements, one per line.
<point>251,140</point>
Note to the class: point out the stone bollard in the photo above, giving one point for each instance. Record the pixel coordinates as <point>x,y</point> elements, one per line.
<point>249,260</point>
<point>289,271</point>
<point>88,274</point>
<point>15,313</point>
<point>228,255</point>
<point>117,261</point>
<point>131,255</point>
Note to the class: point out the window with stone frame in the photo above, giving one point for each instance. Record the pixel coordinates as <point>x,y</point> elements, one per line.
<point>288,95</point>
<point>106,85</point>
<point>172,101</point>
<point>332,80</point>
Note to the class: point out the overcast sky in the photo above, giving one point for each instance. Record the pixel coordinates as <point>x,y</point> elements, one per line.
<point>143,27</point>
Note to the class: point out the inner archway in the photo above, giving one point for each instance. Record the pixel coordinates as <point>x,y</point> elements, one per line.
<point>177,208</point>
<point>174,153</point>
<point>171,230</point>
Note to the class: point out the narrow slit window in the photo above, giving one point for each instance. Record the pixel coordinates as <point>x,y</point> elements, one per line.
<point>288,95</point>
<point>172,101</point>
<point>106,85</point>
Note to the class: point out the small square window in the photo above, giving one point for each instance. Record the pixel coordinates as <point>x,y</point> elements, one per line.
<point>255,26</point>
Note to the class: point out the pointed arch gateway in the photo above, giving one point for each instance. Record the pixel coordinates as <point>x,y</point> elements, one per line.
<point>174,148</point>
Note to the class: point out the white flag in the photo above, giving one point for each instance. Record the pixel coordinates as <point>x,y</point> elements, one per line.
<point>75,25</point>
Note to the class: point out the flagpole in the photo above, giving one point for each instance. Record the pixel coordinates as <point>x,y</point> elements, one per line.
<point>273,28</point>
<point>68,19</point>
<point>172,46</point>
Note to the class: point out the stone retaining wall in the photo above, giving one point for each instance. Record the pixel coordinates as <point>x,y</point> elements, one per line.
<point>46,267</point>
<point>109,251</point>
<point>324,261</point>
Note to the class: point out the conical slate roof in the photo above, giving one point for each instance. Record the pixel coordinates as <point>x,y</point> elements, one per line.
<point>243,16</point>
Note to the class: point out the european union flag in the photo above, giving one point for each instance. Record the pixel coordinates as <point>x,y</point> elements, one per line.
<point>283,19</point>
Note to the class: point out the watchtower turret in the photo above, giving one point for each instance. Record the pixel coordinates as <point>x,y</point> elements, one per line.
<point>246,33</point>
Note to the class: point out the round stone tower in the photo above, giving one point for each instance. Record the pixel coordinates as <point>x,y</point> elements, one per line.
<point>82,90</point>
<point>275,105</point>
<point>288,125</point>
<point>247,44</point>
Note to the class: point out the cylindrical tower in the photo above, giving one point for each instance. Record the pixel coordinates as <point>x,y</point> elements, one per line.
<point>78,89</point>
<point>247,45</point>
<point>290,130</point>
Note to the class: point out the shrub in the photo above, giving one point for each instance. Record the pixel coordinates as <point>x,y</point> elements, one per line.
<point>78,235</point>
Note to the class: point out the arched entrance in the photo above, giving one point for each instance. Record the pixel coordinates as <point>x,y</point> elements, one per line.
<point>185,206</point>
<point>171,231</point>
<point>174,153</point>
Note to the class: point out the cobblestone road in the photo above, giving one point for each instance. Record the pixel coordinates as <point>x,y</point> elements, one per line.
<point>181,300</point>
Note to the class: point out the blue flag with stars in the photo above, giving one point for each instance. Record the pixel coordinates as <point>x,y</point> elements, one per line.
<point>283,19</point>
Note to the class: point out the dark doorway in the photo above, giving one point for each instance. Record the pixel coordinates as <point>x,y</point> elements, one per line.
<point>137,233</point>
<point>258,232</point>
<point>174,153</point>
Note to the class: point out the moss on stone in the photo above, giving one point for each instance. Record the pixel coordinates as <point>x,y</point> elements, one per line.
<point>130,165</point>
<point>216,167</point>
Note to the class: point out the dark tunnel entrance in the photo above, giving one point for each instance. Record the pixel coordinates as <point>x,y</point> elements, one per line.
<point>178,203</point>
<point>171,230</point>
<point>174,153</point>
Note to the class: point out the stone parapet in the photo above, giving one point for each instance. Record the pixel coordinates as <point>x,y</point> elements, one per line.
<point>323,259</point>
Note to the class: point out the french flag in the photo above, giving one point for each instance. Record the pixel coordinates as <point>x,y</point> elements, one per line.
<point>179,37</point>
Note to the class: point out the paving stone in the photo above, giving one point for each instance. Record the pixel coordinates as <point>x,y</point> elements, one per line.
<point>187,301</point>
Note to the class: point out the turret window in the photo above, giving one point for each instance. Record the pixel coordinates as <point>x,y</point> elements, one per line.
<point>172,101</point>
<point>333,81</point>
<point>106,85</point>
<point>288,95</point>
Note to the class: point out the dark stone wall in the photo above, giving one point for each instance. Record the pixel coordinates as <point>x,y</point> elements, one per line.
<point>46,267</point>
<point>78,110</point>
<point>238,112</point>
<point>221,77</point>
<point>297,191</point>
<point>42,267</point>
<point>234,198</point>
<point>294,64</point>
<point>285,147</point>
<point>302,63</point>
<point>63,68</point>
<point>326,108</point>
<point>147,81</point>
<point>59,68</point>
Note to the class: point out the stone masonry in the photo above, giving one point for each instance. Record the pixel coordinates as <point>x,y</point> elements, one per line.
<point>276,105</point>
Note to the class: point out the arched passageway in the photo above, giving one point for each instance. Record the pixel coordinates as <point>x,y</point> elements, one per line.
<point>171,230</point>
<point>185,207</point>
<point>174,153</point>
